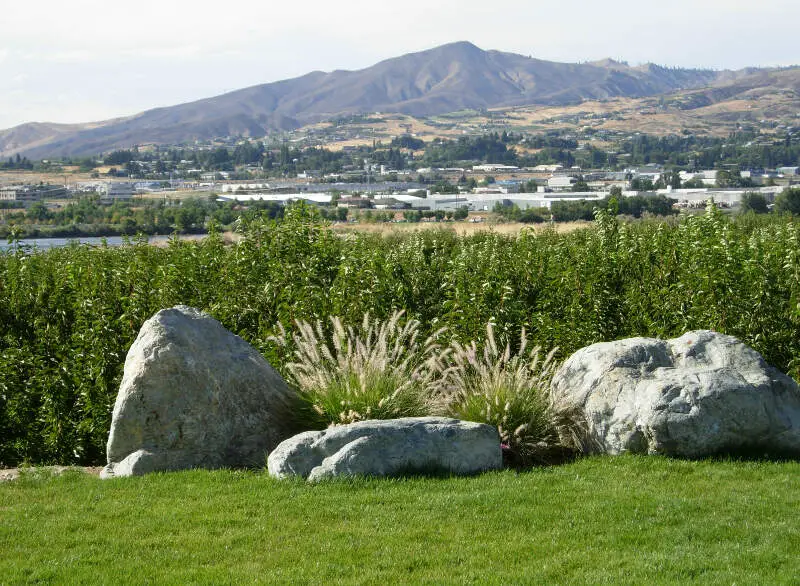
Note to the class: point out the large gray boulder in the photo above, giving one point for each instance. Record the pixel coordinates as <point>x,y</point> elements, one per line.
<point>194,395</point>
<point>702,394</point>
<point>388,448</point>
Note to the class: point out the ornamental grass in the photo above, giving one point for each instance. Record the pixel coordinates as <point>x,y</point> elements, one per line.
<point>511,391</point>
<point>379,370</point>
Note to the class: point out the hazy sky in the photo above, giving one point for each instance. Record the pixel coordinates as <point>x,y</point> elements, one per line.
<point>83,60</point>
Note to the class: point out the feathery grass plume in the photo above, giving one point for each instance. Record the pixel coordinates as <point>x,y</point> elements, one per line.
<point>378,371</point>
<point>512,392</point>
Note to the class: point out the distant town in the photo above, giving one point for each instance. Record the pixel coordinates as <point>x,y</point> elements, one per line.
<point>555,176</point>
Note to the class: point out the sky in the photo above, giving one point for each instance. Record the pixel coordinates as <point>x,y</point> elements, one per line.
<point>82,60</point>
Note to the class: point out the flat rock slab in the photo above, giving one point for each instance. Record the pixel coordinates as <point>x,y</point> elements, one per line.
<point>194,395</point>
<point>389,447</point>
<point>699,395</point>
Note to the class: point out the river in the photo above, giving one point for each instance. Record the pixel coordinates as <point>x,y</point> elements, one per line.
<point>45,243</point>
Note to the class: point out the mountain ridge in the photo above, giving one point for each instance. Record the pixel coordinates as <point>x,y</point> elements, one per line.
<point>444,79</point>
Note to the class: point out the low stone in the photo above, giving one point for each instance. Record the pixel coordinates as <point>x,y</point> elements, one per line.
<point>389,448</point>
<point>702,394</point>
<point>194,395</point>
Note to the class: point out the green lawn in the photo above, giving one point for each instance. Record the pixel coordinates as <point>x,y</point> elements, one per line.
<point>599,520</point>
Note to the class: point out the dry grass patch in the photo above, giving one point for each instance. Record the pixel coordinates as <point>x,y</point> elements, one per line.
<point>460,228</point>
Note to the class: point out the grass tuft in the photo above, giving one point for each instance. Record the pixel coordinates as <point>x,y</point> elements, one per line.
<point>512,392</point>
<point>379,370</point>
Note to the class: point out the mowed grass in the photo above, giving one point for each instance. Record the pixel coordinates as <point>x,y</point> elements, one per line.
<point>597,520</point>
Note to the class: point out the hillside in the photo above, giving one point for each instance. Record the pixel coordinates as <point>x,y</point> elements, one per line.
<point>762,101</point>
<point>445,79</point>
<point>25,137</point>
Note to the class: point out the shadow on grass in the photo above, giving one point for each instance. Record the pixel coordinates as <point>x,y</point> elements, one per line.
<point>753,454</point>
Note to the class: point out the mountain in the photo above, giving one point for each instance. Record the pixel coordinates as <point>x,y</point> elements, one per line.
<point>445,79</point>
<point>25,137</point>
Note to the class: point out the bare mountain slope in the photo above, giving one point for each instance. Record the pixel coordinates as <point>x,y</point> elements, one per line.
<point>448,78</point>
<point>36,134</point>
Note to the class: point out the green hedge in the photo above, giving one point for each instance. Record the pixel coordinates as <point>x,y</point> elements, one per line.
<point>68,315</point>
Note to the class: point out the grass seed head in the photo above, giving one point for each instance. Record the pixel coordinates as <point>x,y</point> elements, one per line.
<point>377,370</point>
<point>510,390</point>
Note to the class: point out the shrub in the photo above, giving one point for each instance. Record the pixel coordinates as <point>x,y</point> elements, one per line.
<point>512,392</point>
<point>377,371</point>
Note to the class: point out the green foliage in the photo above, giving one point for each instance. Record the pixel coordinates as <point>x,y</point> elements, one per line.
<point>638,184</point>
<point>580,186</point>
<point>88,217</point>
<point>571,211</point>
<point>754,202</point>
<point>746,150</point>
<point>69,315</point>
<point>636,206</point>
<point>444,187</point>
<point>17,163</point>
<point>407,141</point>
<point>789,201</point>
<point>513,213</point>
<point>489,148</point>
<point>119,157</point>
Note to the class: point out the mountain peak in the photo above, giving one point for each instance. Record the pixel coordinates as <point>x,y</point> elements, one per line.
<point>461,45</point>
<point>608,62</point>
<point>457,49</point>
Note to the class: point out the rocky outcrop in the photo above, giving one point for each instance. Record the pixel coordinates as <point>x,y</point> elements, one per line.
<point>702,394</point>
<point>194,395</point>
<point>389,448</point>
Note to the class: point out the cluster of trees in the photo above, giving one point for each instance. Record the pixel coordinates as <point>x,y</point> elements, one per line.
<point>412,216</point>
<point>407,141</point>
<point>744,149</point>
<point>439,215</point>
<point>490,148</point>
<point>513,213</point>
<point>443,186</point>
<point>787,202</point>
<point>285,160</point>
<point>740,149</point>
<point>162,161</point>
<point>87,215</point>
<point>16,163</point>
<point>288,160</point>
<point>571,211</point>
<point>334,214</point>
<point>636,206</point>
<point>120,157</point>
<point>499,148</point>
